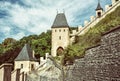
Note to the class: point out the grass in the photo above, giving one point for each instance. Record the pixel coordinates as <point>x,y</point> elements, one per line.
<point>93,36</point>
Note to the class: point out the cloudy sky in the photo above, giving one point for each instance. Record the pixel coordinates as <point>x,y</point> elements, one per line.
<point>19,18</point>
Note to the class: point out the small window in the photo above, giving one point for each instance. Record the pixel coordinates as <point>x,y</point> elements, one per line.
<point>21,65</point>
<point>32,66</point>
<point>64,30</point>
<point>59,30</point>
<point>59,37</point>
<point>55,30</point>
<point>99,14</point>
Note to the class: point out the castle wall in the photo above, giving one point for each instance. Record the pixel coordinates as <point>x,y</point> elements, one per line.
<point>101,63</point>
<point>15,75</point>
<point>60,38</point>
<point>22,77</point>
<point>5,72</point>
<point>50,71</point>
<point>96,20</point>
<point>26,65</point>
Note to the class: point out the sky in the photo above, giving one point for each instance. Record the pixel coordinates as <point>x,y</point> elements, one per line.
<point>19,18</point>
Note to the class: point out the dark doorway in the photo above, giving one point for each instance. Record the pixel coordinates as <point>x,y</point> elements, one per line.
<point>60,51</point>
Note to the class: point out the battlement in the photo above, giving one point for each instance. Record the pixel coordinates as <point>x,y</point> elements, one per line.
<point>44,59</point>
<point>95,19</point>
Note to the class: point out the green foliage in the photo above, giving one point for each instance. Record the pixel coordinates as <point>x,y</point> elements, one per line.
<point>39,43</point>
<point>93,36</point>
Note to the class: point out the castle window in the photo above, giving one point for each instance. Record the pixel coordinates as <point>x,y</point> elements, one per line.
<point>59,37</point>
<point>21,65</point>
<point>55,30</point>
<point>59,30</point>
<point>99,14</point>
<point>64,30</point>
<point>32,66</point>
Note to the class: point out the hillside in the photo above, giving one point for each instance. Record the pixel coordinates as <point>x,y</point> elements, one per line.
<point>93,36</point>
<point>41,44</point>
<point>10,48</point>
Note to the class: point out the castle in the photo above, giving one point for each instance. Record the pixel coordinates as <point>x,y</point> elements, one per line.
<point>27,68</point>
<point>61,36</point>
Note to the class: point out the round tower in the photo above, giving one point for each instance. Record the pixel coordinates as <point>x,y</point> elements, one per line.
<point>60,35</point>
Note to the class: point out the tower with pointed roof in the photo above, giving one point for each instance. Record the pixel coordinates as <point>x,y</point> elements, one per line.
<point>25,60</point>
<point>60,35</point>
<point>99,10</point>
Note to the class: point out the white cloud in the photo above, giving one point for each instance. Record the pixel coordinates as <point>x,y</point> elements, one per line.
<point>18,35</point>
<point>38,15</point>
<point>5,30</point>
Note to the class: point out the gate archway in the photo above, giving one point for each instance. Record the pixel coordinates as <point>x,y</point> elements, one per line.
<point>60,51</point>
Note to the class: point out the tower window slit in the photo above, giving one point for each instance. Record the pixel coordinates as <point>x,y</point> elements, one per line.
<point>59,37</point>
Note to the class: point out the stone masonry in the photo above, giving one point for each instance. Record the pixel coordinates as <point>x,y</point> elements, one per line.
<point>101,63</point>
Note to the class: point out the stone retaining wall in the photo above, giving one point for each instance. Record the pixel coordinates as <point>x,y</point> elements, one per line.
<point>101,63</point>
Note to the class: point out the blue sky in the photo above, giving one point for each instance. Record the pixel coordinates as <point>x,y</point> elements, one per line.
<point>19,18</point>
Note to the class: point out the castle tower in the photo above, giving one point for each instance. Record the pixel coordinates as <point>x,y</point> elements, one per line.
<point>60,35</point>
<point>114,1</point>
<point>25,60</point>
<point>99,10</point>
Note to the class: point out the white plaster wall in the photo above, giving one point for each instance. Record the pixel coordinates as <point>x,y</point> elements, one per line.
<point>36,64</point>
<point>13,75</point>
<point>1,73</point>
<point>26,65</point>
<point>56,42</point>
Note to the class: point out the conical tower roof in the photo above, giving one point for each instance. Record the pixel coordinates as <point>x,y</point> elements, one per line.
<point>60,21</point>
<point>99,6</point>
<point>25,54</point>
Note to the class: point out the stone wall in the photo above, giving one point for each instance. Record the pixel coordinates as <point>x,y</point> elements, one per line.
<point>101,63</point>
<point>5,72</point>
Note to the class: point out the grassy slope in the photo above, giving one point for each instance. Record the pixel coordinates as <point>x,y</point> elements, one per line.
<point>92,37</point>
